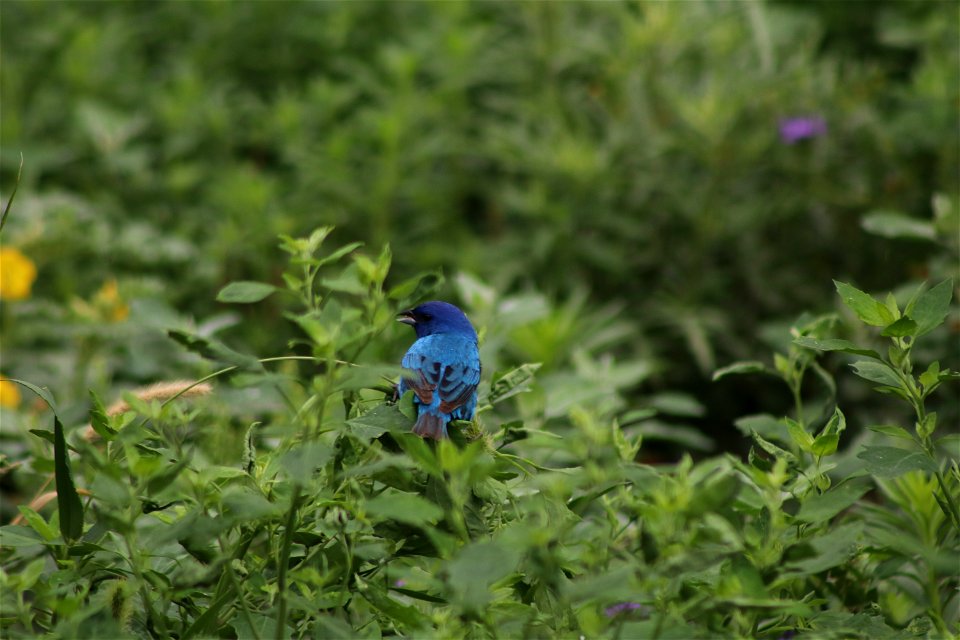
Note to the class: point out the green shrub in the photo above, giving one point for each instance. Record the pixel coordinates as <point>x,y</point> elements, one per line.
<point>330,519</point>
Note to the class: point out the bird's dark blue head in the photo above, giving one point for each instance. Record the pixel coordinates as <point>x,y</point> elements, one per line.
<point>437,317</point>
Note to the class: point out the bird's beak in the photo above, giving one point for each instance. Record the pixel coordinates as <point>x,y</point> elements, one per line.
<point>406,317</point>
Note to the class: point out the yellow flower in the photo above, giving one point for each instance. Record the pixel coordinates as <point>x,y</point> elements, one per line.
<point>17,273</point>
<point>108,300</point>
<point>9,394</point>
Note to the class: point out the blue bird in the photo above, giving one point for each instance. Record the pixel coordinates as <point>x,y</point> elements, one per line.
<point>442,367</point>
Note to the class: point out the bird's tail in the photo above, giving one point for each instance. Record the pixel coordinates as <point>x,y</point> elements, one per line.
<point>430,426</point>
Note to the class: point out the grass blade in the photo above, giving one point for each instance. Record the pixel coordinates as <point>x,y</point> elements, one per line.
<point>68,500</point>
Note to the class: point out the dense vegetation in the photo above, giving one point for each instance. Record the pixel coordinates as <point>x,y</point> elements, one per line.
<point>662,217</point>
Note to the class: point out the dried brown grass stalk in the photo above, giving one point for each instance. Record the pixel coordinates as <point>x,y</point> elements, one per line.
<point>159,391</point>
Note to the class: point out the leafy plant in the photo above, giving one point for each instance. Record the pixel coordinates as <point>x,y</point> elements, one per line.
<point>334,520</point>
<point>920,476</point>
<point>625,194</point>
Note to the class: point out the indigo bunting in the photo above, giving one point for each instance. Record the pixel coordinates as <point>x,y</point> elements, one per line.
<point>442,367</point>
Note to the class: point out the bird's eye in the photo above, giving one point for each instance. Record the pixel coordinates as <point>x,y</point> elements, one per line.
<point>427,317</point>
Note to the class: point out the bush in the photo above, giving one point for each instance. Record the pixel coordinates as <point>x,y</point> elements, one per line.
<point>623,196</point>
<point>328,518</point>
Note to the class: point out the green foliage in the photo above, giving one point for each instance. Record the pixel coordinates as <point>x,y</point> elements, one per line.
<point>604,189</point>
<point>335,520</point>
<point>631,150</point>
<point>931,520</point>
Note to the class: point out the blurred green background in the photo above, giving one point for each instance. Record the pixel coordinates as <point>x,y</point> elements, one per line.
<point>648,190</point>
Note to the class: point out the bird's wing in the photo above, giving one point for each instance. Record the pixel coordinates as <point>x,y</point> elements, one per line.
<point>416,367</point>
<point>450,370</point>
<point>458,384</point>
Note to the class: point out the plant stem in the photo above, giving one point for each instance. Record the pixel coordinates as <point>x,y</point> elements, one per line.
<point>158,621</point>
<point>236,587</point>
<point>283,560</point>
<point>933,595</point>
<point>948,500</point>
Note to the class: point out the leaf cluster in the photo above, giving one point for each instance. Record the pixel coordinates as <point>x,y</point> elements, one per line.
<point>336,521</point>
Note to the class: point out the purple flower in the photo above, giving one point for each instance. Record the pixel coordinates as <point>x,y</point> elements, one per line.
<point>795,129</point>
<point>620,608</point>
<point>400,583</point>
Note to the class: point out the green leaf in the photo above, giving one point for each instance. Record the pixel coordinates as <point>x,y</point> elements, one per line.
<point>313,326</point>
<point>784,366</point>
<point>825,444</point>
<point>798,434</point>
<point>421,286</point>
<point>740,368</point>
<point>207,622</point>
<point>419,595</point>
<point>772,449</point>
<point>330,628</point>
<point>245,292</point>
<point>829,550</point>
<point>407,615</point>
<point>243,504</point>
<point>891,303</point>
<point>683,435</point>
<point>421,452</point>
<point>347,281</point>
<point>478,566</point>
<point>928,425</point>
<point>404,507</point>
<point>249,457</point>
<point>840,624</point>
<point>98,418</point>
<point>632,416</point>
<point>83,549</point>
<point>891,430</point>
<point>509,383</point>
<point>951,444</point>
<point>37,523</point>
<point>820,508</point>
<point>931,376</point>
<point>743,579</point>
<point>377,421</point>
<point>868,309</point>
<point>614,581</point>
<point>932,307</point>
<point>889,224</point>
<point>160,481</point>
<point>890,462</point>
<point>714,494</point>
<point>835,344</point>
<point>677,404</point>
<point>876,372</point>
<point>43,392</point>
<point>13,535</point>
<point>44,435</point>
<point>758,461</point>
<point>902,327</point>
<point>304,248</point>
<point>214,350</point>
<point>68,500</point>
<point>338,253</point>
<point>837,423</point>
<point>300,463</point>
<point>383,263</point>
<point>29,575</point>
<point>262,626</point>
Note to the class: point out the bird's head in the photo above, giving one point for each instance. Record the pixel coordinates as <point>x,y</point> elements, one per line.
<point>437,317</point>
